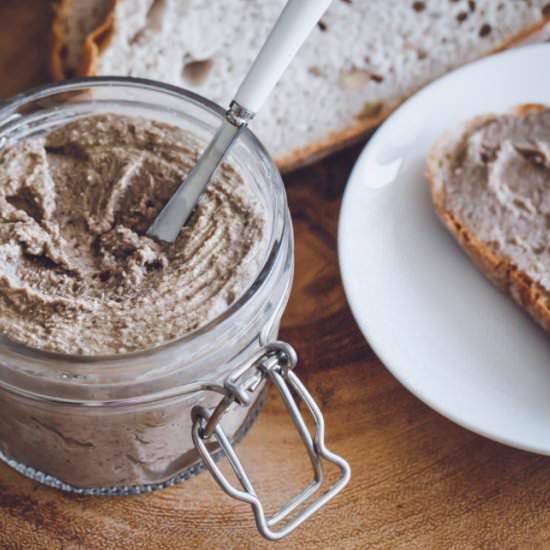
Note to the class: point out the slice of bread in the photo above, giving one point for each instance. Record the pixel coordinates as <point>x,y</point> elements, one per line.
<point>360,62</point>
<point>490,184</point>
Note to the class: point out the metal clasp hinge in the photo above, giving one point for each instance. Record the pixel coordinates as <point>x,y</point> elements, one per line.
<point>274,363</point>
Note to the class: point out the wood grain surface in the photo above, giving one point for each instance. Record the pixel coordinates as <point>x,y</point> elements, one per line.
<point>419,481</point>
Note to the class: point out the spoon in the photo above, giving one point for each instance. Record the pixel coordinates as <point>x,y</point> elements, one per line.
<point>290,31</point>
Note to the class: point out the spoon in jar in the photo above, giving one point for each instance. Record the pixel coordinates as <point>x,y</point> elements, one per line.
<point>290,31</point>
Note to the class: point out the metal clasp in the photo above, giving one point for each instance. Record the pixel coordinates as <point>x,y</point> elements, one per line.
<point>275,363</point>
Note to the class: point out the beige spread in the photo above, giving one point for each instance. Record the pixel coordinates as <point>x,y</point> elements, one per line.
<point>77,274</point>
<point>501,189</point>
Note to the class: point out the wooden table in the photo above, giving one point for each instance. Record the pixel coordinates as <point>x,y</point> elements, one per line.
<point>418,480</point>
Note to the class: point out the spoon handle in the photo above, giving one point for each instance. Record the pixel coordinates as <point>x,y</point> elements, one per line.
<point>290,31</point>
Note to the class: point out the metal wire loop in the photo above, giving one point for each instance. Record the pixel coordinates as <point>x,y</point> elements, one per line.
<point>275,363</point>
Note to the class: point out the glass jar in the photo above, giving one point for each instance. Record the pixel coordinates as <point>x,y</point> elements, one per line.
<point>136,422</point>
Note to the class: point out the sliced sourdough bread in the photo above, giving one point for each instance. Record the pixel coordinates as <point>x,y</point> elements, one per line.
<point>490,184</point>
<point>360,62</point>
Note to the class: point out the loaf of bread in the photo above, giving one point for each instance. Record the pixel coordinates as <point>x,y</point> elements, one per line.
<point>361,61</point>
<point>490,183</point>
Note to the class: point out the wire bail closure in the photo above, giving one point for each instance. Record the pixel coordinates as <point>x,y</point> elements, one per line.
<point>273,362</point>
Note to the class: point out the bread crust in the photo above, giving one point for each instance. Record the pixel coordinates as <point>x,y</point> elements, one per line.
<point>498,268</point>
<point>335,141</point>
<point>99,38</point>
<point>57,71</point>
<point>94,43</point>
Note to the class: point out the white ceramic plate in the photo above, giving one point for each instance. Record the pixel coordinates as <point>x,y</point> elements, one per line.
<point>441,328</point>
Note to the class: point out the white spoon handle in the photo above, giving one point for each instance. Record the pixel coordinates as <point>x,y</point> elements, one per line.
<point>290,31</point>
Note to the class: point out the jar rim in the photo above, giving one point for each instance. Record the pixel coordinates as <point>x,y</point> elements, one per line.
<point>10,106</point>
